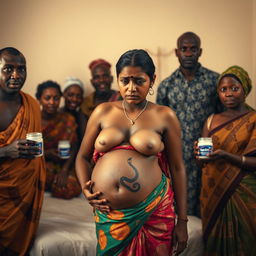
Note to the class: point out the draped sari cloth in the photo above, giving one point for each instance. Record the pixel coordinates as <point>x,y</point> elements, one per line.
<point>144,229</point>
<point>21,184</point>
<point>228,195</point>
<point>63,127</point>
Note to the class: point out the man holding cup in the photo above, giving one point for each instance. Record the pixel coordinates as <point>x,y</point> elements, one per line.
<point>22,174</point>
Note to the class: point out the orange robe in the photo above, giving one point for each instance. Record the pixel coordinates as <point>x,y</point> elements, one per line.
<point>21,184</point>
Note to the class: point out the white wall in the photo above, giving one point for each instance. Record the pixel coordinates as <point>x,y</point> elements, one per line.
<point>60,37</point>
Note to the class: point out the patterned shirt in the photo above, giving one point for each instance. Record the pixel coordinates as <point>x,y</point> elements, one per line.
<point>193,101</point>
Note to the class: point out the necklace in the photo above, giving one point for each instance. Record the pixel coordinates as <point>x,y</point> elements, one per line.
<point>132,121</point>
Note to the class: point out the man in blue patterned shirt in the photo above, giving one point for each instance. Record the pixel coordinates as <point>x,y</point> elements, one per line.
<point>191,92</point>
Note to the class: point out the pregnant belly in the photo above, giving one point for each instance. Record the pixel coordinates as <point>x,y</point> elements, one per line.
<point>125,177</point>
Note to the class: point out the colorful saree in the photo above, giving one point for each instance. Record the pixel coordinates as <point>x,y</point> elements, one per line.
<point>21,185</point>
<point>144,229</point>
<point>228,194</point>
<point>63,127</point>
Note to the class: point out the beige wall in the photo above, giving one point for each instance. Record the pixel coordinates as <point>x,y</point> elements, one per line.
<point>60,37</point>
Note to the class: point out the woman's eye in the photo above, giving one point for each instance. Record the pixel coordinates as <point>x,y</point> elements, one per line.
<point>222,89</point>
<point>124,81</point>
<point>235,89</point>
<point>139,81</point>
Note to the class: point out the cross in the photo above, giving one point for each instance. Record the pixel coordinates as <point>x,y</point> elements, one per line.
<point>159,54</point>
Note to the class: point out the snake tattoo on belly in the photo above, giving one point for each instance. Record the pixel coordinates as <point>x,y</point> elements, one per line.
<point>124,180</point>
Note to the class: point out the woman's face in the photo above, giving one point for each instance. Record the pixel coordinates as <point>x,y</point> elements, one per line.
<point>133,84</point>
<point>50,100</point>
<point>73,96</point>
<point>231,92</point>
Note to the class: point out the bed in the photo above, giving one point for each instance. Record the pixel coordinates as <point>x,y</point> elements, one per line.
<point>67,228</point>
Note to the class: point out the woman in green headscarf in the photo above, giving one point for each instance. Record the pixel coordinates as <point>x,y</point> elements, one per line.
<point>228,194</point>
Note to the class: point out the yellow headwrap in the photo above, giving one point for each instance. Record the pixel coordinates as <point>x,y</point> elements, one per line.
<point>241,74</point>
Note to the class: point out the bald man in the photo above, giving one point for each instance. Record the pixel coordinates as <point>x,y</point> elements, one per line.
<point>191,92</point>
<point>22,174</point>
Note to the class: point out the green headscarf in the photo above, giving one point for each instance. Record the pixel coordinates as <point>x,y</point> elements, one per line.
<point>242,76</point>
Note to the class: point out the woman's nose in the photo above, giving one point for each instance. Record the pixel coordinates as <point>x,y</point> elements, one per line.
<point>132,86</point>
<point>51,101</point>
<point>229,93</point>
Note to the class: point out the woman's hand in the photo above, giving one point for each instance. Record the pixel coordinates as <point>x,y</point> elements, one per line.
<point>52,155</point>
<point>61,179</point>
<point>93,198</point>
<point>180,237</point>
<point>22,149</point>
<point>218,154</point>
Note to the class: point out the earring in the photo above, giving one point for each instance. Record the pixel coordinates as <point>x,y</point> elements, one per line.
<point>151,91</point>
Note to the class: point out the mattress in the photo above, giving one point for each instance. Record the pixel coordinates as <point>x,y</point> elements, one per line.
<point>67,228</point>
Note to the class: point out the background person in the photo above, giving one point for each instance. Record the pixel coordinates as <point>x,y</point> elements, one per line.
<point>57,126</point>
<point>73,91</point>
<point>228,195</point>
<point>128,187</point>
<point>101,81</point>
<point>191,92</point>
<point>22,175</point>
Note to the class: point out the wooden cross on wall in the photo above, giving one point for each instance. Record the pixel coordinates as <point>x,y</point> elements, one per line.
<point>159,55</point>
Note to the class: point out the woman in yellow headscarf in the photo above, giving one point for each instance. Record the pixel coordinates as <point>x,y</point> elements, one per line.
<point>228,194</point>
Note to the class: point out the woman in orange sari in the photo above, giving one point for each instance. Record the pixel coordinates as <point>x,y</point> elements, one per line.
<point>57,126</point>
<point>228,194</point>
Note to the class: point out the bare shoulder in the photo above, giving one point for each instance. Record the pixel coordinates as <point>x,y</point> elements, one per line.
<point>166,112</point>
<point>105,108</point>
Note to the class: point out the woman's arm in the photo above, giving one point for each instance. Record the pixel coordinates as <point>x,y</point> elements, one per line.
<point>84,158</point>
<point>172,141</point>
<point>82,121</point>
<point>245,162</point>
<point>62,177</point>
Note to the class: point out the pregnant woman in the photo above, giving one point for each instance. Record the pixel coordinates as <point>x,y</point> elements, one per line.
<point>133,142</point>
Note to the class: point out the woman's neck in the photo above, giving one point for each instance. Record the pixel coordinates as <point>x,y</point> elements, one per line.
<point>239,110</point>
<point>47,116</point>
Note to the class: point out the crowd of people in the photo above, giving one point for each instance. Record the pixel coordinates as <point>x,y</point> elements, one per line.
<point>136,162</point>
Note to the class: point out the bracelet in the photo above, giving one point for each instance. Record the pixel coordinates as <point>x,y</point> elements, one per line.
<point>243,160</point>
<point>184,220</point>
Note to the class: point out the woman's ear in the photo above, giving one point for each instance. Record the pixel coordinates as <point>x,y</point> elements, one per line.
<point>153,81</point>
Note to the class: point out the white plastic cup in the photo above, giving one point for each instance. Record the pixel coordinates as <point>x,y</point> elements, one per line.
<point>38,138</point>
<point>205,147</point>
<point>64,149</point>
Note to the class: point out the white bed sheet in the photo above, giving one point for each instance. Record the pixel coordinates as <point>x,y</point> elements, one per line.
<point>67,228</point>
